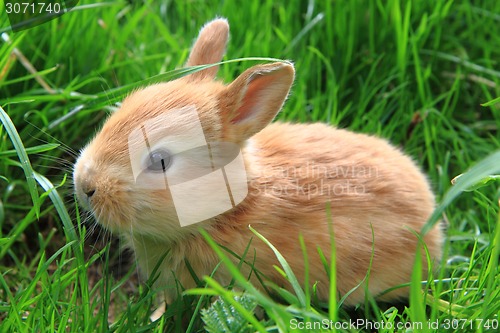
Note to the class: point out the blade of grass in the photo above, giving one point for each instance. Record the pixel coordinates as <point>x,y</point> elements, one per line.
<point>488,166</point>
<point>332,302</point>
<point>492,268</point>
<point>290,275</point>
<point>23,158</point>
<point>417,304</point>
<point>31,150</point>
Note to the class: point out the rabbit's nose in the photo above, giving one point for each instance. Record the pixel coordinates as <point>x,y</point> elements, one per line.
<point>84,177</point>
<point>87,188</point>
<point>89,192</point>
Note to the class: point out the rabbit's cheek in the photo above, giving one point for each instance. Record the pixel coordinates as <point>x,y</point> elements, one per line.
<point>152,204</point>
<point>111,204</point>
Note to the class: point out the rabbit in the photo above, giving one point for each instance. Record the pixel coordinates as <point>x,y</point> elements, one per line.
<point>300,179</point>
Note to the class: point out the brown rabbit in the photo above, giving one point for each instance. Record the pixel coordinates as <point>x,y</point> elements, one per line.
<point>293,172</point>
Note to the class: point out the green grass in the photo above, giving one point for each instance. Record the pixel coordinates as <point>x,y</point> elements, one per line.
<point>413,72</point>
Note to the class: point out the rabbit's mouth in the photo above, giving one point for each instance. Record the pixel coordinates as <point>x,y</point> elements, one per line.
<point>112,211</point>
<point>134,211</point>
<point>107,198</point>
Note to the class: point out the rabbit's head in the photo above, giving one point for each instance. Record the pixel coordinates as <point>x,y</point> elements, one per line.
<point>125,175</point>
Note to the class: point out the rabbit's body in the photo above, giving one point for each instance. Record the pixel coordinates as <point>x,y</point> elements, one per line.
<point>367,183</point>
<point>296,174</point>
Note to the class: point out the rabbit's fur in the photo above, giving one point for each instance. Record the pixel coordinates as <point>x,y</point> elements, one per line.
<point>294,171</point>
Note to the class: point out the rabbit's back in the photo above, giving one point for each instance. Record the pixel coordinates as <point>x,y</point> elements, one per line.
<point>352,169</point>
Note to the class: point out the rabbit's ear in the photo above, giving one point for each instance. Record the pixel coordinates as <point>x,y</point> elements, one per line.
<point>252,101</point>
<point>209,48</point>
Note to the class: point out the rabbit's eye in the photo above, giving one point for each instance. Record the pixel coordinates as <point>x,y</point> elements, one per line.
<point>159,160</point>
